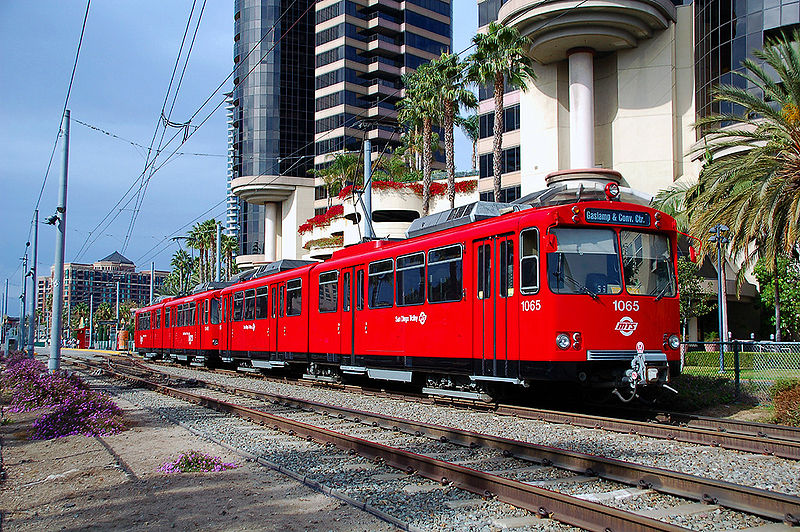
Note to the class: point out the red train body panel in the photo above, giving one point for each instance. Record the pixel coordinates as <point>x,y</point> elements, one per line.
<point>566,293</point>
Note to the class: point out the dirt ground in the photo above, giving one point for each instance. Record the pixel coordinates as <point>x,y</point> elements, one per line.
<point>112,483</point>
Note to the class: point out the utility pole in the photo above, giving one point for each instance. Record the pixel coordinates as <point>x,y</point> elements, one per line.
<point>116,326</point>
<point>58,278</point>
<point>368,232</point>
<point>152,279</point>
<point>21,336</point>
<point>91,320</point>
<point>3,315</point>
<point>32,335</point>
<point>218,277</point>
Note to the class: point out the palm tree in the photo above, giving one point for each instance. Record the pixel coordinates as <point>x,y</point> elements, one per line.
<point>421,106</point>
<point>229,247</point>
<point>182,267</point>
<point>209,235</point>
<point>500,57</point>
<point>342,168</point>
<point>470,125</point>
<point>195,240</point>
<point>752,181</point>
<point>452,92</point>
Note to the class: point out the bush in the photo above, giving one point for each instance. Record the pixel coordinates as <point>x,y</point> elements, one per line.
<point>71,407</point>
<point>83,412</point>
<point>787,405</point>
<point>195,461</point>
<point>781,386</point>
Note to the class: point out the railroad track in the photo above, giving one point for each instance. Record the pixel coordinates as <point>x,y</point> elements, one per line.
<point>529,476</point>
<point>759,438</point>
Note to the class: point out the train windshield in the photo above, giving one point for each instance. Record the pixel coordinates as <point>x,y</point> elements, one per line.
<point>586,262</point>
<point>647,263</point>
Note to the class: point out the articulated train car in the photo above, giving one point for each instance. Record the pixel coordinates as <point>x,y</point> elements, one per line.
<point>482,295</point>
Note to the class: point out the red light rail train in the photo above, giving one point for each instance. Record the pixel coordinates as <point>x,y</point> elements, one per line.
<point>483,296</point>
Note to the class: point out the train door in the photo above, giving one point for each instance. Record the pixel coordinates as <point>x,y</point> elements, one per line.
<point>272,320</point>
<point>347,317</point>
<point>493,307</point>
<point>354,325</point>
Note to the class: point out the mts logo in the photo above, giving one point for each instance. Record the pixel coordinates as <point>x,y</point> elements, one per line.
<point>626,326</point>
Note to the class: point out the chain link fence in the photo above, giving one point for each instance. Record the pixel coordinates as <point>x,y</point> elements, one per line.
<point>754,367</point>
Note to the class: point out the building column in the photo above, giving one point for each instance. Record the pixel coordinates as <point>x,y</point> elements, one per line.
<point>581,108</point>
<point>270,231</point>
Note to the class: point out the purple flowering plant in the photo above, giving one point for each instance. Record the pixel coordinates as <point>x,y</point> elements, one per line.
<point>196,461</point>
<point>70,406</point>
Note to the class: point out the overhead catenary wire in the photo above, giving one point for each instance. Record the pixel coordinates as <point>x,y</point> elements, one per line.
<point>122,203</point>
<point>362,114</point>
<point>167,119</point>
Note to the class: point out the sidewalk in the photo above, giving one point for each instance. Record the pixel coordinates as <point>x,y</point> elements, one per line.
<point>112,483</point>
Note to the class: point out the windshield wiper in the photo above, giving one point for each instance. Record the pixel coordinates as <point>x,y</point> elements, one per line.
<point>578,284</point>
<point>663,291</point>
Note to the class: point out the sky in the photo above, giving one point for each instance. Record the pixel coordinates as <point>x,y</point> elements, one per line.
<point>127,56</point>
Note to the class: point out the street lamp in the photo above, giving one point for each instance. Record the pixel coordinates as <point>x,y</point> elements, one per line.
<point>718,237</point>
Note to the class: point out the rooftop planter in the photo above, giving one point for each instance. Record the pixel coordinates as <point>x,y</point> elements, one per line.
<point>327,242</point>
<point>321,220</point>
<point>437,188</point>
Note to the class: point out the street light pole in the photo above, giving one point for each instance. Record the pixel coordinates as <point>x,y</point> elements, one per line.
<point>32,337</point>
<point>22,300</point>
<point>718,238</point>
<point>60,222</point>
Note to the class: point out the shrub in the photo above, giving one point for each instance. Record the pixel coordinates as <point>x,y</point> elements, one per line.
<point>781,386</point>
<point>72,408</point>
<point>83,412</point>
<point>787,405</point>
<point>196,461</point>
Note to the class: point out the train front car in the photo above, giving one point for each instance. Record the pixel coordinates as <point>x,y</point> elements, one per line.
<point>610,283</point>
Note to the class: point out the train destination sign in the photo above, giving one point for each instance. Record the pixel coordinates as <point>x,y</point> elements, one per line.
<point>608,216</point>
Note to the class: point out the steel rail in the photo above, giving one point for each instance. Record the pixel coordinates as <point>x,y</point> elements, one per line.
<point>544,503</point>
<point>775,506</point>
<point>703,436</point>
<point>761,438</point>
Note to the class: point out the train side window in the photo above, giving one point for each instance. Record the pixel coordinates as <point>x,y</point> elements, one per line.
<point>195,307</point>
<point>445,274</point>
<point>274,303</point>
<point>360,290</point>
<point>506,268</point>
<point>158,319</point>
<point>294,297</point>
<point>346,291</point>
<point>381,284</point>
<point>484,272</point>
<point>250,304</point>
<point>529,261</point>
<point>238,306</point>
<point>280,310</point>
<point>214,311</point>
<point>328,291</point>
<point>411,279</point>
<point>205,312</point>
<point>262,303</point>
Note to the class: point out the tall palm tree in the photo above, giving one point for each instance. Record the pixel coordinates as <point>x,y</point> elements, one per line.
<point>500,57</point>
<point>229,248</point>
<point>421,106</point>
<point>182,266</point>
<point>209,235</point>
<point>452,92</point>
<point>752,181</point>
<point>470,125</point>
<point>343,167</point>
<point>196,240</point>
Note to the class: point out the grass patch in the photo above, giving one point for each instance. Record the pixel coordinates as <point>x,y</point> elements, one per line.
<point>698,392</point>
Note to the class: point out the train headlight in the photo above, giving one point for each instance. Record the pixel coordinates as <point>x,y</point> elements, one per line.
<point>674,342</point>
<point>562,341</point>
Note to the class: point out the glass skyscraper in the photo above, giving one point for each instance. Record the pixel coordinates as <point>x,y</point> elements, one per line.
<point>273,99</point>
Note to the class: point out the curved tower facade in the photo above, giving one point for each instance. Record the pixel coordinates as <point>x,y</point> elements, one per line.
<point>273,119</point>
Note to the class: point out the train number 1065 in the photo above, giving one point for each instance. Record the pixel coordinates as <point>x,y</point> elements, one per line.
<point>531,305</point>
<point>626,306</point>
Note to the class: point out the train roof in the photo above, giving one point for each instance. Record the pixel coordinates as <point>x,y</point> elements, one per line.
<point>463,215</point>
